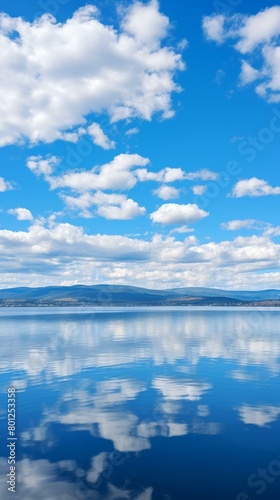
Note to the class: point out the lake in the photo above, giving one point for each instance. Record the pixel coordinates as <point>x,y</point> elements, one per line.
<point>140,403</point>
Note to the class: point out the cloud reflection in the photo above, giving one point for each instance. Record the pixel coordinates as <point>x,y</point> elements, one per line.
<point>259,415</point>
<point>42,480</point>
<point>58,346</point>
<point>127,378</point>
<point>173,389</point>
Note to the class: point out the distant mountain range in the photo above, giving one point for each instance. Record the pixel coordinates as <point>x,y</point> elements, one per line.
<point>118,295</point>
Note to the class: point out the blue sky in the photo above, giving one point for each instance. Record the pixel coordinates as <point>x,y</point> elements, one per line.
<point>139,143</point>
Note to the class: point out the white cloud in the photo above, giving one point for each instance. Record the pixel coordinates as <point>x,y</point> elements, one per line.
<point>182,230</point>
<point>172,213</point>
<point>72,136</point>
<point>167,192</point>
<point>248,73</point>
<point>42,166</point>
<point>234,225</point>
<point>99,138</point>
<point>57,74</point>
<point>254,36</point>
<point>132,131</point>
<point>21,213</point>
<point>199,189</point>
<point>272,231</point>
<point>267,229</point>
<point>4,185</point>
<point>146,24</point>
<point>110,206</point>
<point>219,77</point>
<point>172,174</point>
<point>63,254</point>
<point>213,27</point>
<point>86,200</point>
<point>117,174</point>
<point>258,29</point>
<point>253,187</point>
<point>166,175</point>
<point>204,175</point>
<point>127,209</point>
<point>251,31</point>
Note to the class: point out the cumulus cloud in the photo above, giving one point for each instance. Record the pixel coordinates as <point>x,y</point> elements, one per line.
<point>58,73</point>
<point>253,187</point>
<point>266,227</point>
<point>127,209</point>
<point>99,138</point>
<point>254,36</point>
<point>120,174</point>
<point>182,230</point>
<point>166,175</point>
<point>117,174</point>
<point>64,254</point>
<point>258,29</point>
<point>272,231</point>
<point>146,24</point>
<point>203,175</point>
<point>86,200</point>
<point>167,192</point>
<point>171,213</point>
<point>213,27</point>
<point>199,189</point>
<point>4,185</point>
<point>234,225</point>
<point>248,73</point>
<point>171,174</point>
<point>109,206</point>
<point>42,166</point>
<point>21,213</point>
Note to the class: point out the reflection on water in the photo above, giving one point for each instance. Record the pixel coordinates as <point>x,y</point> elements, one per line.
<point>149,403</point>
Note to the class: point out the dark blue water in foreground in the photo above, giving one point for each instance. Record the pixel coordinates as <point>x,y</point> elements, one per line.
<point>146,404</point>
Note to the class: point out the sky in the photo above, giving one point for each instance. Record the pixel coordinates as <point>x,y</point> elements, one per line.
<point>139,143</point>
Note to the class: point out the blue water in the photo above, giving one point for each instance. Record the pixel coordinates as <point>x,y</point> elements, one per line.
<point>142,403</point>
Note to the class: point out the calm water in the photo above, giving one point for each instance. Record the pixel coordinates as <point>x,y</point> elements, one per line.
<point>146,404</point>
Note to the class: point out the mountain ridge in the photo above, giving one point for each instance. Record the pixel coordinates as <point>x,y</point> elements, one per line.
<point>106,294</point>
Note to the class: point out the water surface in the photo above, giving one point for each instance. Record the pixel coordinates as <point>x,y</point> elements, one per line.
<point>142,403</point>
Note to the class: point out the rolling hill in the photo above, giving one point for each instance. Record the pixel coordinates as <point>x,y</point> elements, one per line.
<point>102,295</point>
